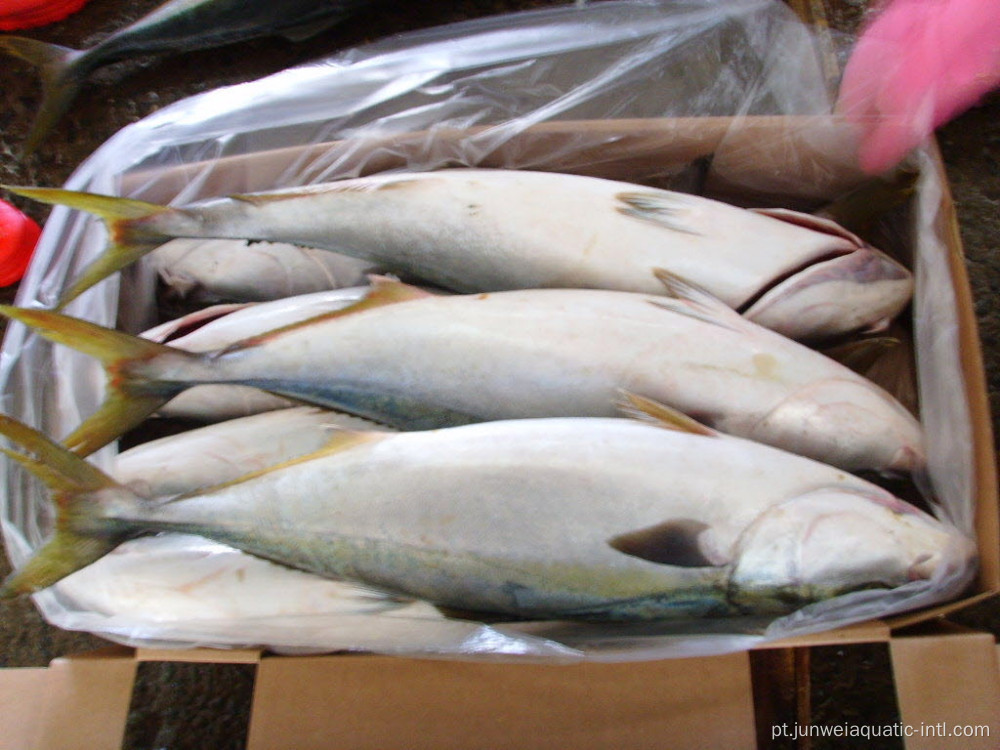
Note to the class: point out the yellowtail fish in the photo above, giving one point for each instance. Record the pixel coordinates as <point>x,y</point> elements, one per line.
<point>414,360</point>
<point>474,230</point>
<point>594,519</point>
<point>173,27</point>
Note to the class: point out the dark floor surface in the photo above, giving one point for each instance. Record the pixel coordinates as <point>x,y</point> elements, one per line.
<point>129,91</point>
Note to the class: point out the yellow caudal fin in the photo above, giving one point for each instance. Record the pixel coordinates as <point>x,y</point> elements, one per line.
<point>131,397</point>
<point>77,488</point>
<point>129,238</point>
<point>61,74</point>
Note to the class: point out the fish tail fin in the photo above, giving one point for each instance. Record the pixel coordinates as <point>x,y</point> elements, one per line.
<point>82,536</point>
<point>129,238</point>
<point>131,396</point>
<point>61,77</point>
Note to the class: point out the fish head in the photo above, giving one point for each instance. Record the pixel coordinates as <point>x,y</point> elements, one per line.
<point>851,287</point>
<point>846,422</point>
<point>833,541</point>
<point>861,291</point>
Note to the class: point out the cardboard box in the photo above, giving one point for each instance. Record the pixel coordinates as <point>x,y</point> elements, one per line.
<point>944,681</point>
<point>945,677</point>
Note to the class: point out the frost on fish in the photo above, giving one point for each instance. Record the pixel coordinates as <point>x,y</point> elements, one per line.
<point>594,519</point>
<point>475,230</point>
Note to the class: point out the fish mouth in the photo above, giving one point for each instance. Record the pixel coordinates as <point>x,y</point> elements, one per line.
<point>781,279</point>
<point>841,293</point>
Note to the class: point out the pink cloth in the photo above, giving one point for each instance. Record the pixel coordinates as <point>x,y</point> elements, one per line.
<point>916,66</point>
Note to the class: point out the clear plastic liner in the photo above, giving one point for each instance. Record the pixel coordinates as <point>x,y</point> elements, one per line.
<point>726,98</point>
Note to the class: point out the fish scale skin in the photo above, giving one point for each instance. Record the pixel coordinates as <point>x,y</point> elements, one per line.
<point>472,230</point>
<point>437,361</point>
<point>510,517</point>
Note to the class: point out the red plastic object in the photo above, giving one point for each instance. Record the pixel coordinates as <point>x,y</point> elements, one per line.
<point>24,14</point>
<point>18,236</point>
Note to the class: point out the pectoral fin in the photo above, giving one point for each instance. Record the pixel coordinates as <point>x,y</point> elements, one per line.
<point>676,542</point>
<point>663,208</point>
<point>684,298</point>
<point>648,410</point>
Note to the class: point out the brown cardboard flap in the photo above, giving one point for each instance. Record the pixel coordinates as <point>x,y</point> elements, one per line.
<point>865,632</point>
<point>22,694</point>
<point>946,683</point>
<point>200,655</point>
<point>77,702</point>
<point>375,702</point>
<point>909,619</point>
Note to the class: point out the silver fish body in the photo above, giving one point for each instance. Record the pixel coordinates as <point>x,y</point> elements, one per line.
<point>474,230</point>
<point>568,518</point>
<point>218,453</point>
<point>413,360</point>
<point>433,361</point>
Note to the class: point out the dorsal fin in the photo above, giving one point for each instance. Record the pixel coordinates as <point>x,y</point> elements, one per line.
<point>385,290</point>
<point>648,410</point>
<point>341,440</point>
<point>356,185</point>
